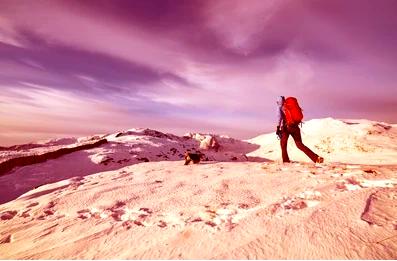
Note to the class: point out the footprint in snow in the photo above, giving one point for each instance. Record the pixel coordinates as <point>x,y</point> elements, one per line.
<point>33,204</point>
<point>223,217</point>
<point>7,215</point>
<point>119,212</point>
<point>6,239</point>
<point>48,210</point>
<point>92,212</point>
<point>303,200</point>
<point>26,213</point>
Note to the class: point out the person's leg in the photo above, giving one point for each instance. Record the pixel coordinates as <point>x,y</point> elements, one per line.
<point>283,144</point>
<point>296,134</point>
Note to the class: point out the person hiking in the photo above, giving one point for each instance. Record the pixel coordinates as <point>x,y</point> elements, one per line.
<point>289,117</point>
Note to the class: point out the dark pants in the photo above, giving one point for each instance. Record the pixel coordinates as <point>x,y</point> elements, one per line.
<point>296,134</point>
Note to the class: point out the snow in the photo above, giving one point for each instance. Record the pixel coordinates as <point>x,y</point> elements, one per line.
<point>133,197</point>
<point>344,141</point>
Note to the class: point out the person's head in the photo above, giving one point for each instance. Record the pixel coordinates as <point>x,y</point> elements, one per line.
<point>280,100</point>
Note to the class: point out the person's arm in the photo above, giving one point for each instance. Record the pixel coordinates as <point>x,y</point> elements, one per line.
<point>280,118</point>
<point>280,121</point>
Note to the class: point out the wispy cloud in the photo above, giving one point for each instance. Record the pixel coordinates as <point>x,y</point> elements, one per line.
<point>182,65</point>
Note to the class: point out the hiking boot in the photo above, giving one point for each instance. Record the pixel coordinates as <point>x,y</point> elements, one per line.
<point>320,160</point>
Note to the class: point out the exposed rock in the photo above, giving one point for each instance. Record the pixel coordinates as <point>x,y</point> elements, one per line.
<point>207,141</point>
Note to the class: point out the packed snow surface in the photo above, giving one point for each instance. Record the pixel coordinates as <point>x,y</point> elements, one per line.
<point>133,197</point>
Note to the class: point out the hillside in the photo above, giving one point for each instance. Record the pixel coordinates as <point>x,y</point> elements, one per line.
<point>133,198</point>
<point>345,141</point>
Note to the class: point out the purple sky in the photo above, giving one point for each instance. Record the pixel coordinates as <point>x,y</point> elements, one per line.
<point>83,67</point>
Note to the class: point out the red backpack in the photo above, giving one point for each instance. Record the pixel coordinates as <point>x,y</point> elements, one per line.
<point>292,111</point>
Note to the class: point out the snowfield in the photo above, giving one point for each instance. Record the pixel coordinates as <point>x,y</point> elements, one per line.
<point>132,197</point>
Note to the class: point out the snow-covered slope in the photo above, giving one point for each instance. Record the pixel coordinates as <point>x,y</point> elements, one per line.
<point>347,141</point>
<point>121,149</point>
<point>133,198</point>
<point>226,210</point>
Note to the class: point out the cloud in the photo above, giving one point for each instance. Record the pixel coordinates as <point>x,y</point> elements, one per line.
<point>41,109</point>
<point>210,65</point>
<point>42,112</point>
<point>240,25</point>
